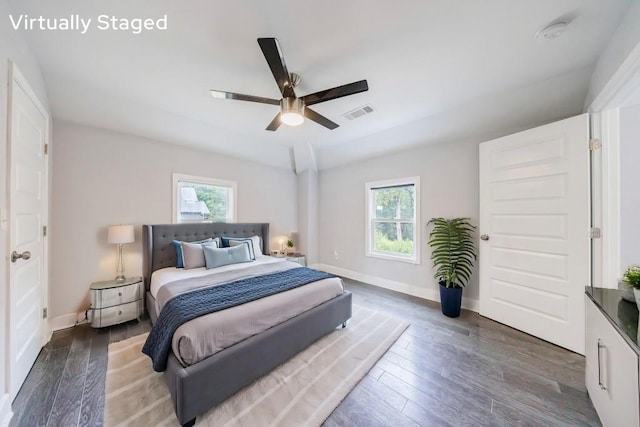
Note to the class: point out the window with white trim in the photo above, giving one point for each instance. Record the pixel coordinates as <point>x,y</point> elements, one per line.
<point>392,214</point>
<point>202,199</point>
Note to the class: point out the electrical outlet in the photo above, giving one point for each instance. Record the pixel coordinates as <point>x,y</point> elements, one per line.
<point>336,255</point>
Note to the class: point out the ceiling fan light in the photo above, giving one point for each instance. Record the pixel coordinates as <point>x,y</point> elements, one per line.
<point>292,118</point>
<point>291,110</point>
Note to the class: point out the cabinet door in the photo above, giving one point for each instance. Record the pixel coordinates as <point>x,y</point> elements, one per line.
<point>611,372</point>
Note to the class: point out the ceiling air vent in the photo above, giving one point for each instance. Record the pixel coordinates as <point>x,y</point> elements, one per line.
<point>358,112</point>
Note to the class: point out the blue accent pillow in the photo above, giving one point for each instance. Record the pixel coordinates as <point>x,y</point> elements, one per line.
<point>247,243</point>
<point>177,244</point>
<point>217,257</point>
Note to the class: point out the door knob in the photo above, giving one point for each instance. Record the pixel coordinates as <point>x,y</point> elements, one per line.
<point>16,256</point>
<point>484,237</point>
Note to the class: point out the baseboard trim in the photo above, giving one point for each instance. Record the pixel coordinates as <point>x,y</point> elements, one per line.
<point>405,288</point>
<point>63,322</point>
<point>5,410</point>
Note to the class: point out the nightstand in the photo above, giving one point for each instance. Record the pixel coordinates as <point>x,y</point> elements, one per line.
<point>299,258</point>
<point>115,302</point>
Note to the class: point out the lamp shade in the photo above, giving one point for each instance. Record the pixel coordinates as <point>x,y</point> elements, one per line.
<point>120,234</point>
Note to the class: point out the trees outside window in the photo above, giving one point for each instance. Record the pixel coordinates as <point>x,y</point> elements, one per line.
<point>392,212</point>
<point>202,199</point>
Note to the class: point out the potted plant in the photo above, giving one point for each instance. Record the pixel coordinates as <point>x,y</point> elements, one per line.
<point>631,277</point>
<point>453,253</point>
<point>626,291</point>
<point>290,246</point>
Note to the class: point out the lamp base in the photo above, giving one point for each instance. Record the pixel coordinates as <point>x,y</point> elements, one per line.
<point>120,278</point>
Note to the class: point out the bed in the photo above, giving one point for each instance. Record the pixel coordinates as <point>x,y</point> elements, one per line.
<point>197,387</point>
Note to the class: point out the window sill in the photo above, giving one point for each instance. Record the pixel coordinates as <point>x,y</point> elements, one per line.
<point>391,257</point>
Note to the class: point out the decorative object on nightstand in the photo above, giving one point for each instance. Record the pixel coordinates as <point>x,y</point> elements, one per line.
<point>114,301</point>
<point>120,234</point>
<point>299,258</point>
<point>291,242</point>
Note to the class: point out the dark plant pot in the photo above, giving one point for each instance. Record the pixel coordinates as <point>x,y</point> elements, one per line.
<point>450,299</point>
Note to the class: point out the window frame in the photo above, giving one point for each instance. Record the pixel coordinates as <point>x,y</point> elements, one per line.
<point>177,178</point>
<point>370,220</point>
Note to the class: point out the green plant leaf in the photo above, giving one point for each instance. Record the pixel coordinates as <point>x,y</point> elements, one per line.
<point>453,250</point>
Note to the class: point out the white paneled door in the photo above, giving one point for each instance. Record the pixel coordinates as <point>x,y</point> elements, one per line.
<point>534,226</point>
<point>27,215</point>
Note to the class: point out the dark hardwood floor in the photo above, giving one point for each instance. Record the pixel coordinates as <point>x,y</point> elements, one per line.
<point>468,371</point>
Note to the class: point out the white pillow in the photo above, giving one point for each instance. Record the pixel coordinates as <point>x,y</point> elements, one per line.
<point>193,255</point>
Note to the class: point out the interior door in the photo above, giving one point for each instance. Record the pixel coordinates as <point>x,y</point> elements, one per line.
<point>534,226</point>
<point>27,212</point>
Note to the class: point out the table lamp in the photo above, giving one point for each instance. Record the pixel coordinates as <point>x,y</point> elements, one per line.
<point>120,234</point>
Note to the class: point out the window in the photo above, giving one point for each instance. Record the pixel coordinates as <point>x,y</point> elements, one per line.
<point>201,199</point>
<point>392,213</point>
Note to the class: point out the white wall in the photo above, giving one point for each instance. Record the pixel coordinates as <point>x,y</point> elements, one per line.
<point>629,191</point>
<point>308,215</point>
<point>448,187</point>
<point>12,47</point>
<point>103,178</point>
<point>623,41</point>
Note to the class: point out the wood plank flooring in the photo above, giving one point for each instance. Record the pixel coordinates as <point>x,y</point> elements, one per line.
<point>468,371</point>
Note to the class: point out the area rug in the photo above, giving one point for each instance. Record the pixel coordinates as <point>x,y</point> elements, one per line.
<point>303,391</point>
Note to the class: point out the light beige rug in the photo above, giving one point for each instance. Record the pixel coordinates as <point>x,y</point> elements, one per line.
<point>303,391</point>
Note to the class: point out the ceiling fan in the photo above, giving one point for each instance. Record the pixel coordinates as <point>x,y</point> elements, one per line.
<point>292,109</point>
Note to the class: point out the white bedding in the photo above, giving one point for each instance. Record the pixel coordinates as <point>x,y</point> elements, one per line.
<point>204,336</point>
<point>170,274</point>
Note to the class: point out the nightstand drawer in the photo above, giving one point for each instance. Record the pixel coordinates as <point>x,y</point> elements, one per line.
<point>118,314</point>
<point>110,297</point>
<point>300,259</point>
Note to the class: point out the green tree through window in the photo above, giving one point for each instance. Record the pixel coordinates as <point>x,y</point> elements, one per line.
<point>392,217</point>
<point>198,199</point>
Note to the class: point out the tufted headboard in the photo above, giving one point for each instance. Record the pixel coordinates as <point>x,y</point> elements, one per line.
<point>158,252</point>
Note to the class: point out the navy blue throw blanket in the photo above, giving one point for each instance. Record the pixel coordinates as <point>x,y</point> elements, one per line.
<point>199,302</point>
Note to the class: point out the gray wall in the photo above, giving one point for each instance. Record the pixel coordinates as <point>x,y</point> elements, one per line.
<point>308,215</point>
<point>449,188</point>
<point>629,186</point>
<point>103,178</point>
<point>12,47</point>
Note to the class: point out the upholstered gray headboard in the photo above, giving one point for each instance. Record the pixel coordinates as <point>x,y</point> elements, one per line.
<point>158,252</point>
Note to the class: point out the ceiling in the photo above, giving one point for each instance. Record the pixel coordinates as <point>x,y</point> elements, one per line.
<point>438,70</point>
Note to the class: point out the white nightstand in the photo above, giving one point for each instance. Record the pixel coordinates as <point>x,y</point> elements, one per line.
<point>116,302</point>
<point>299,258</point>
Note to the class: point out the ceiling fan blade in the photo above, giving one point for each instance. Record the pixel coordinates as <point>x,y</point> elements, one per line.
<point>275,123</point>
<point>273,55</point>
<point>319,118</point>
<point>336,92</point>
<point>240,97</point>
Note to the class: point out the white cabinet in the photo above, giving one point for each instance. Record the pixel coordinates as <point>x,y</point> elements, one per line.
<point>115,302</point>
<point>611,371</point>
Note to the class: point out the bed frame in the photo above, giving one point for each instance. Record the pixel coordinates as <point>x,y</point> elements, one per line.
<point>197,388</point>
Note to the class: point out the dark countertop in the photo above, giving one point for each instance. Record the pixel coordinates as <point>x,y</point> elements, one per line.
<point>622,314</point>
